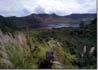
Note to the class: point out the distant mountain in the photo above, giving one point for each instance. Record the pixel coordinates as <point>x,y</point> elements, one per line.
<point>46,21</point>
<point>77,16</point>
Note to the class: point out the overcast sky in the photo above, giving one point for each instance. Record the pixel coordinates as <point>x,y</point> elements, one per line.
<point>60,7</point>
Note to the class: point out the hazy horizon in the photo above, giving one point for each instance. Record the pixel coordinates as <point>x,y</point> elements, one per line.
<point>22,8</point>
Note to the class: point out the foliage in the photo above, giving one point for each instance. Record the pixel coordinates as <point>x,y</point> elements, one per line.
<point>72,47</point>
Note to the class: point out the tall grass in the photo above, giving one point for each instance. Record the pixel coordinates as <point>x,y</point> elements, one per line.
<point>18,51</point>
<point>22,51</point>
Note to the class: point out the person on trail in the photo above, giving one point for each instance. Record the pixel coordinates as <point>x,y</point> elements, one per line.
<point>50,56</point>
<point>49,60</point>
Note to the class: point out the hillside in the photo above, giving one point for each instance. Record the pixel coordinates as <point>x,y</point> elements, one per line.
<point>46,21</point>
<point>63,48</point>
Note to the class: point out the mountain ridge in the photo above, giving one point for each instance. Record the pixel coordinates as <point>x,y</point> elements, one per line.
<point>48,20</point>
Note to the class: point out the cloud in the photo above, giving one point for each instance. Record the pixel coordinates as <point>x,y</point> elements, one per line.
<point>65,7</point>
<point>60,7</point>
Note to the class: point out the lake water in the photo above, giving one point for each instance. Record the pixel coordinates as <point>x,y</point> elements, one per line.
<point>60,25</point>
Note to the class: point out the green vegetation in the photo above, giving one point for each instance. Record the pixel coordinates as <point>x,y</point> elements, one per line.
<point>72,48</point>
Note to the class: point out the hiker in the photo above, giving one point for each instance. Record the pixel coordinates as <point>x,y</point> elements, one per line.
<point>50,56</point>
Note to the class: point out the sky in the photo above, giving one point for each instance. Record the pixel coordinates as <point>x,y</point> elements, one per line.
<point>21,8</point>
